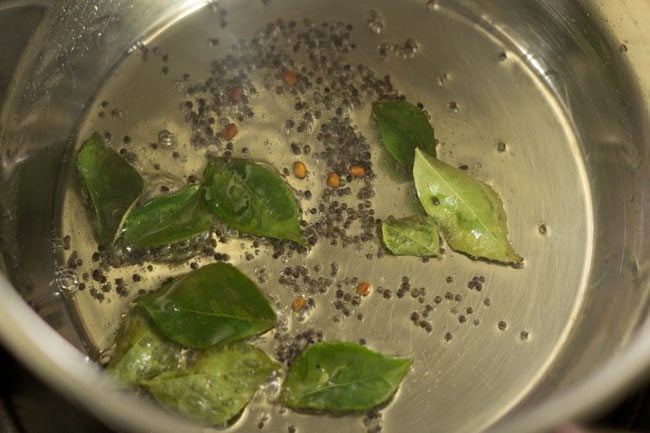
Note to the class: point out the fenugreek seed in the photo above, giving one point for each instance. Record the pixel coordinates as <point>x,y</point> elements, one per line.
<point>235,94</point>
<point>299,169</point>
<point>289,77</point>
<point>357,170</point>
<point>229,131</point>
<point>298,303</point>
<point>363,288</point>
<point>333,180</point>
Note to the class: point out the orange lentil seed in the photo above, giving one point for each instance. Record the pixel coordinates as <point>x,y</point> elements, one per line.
<point>289,77</point>
<point>333,180</point>
<point>299,169</point>
<point>357,170</point>
<point>363,288</point>
<point>229,131</point>
<point>298,303</point>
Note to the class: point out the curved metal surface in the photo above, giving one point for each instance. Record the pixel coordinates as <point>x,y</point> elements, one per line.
<point>589,95</point>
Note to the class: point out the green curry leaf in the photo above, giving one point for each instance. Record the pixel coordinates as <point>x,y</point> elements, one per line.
<point>167,219</point>
<point>112,184</point>
<point>403,128</point>
<point>217,387</point>
<point>251,198</point>
<point>212,305</point>
<point>470,213</point>
<point>412,236</point>
<point>140,351</point>
<point>341,376</point>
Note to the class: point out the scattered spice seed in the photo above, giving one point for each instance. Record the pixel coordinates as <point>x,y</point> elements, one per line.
<point>357,170</point>
<point>229,131</point>
<point>333,180</point>
<point>298,303</point>
<point>363,288</point>
<point>289,77</point>
<point>299,169</point>
<point>235,94</point>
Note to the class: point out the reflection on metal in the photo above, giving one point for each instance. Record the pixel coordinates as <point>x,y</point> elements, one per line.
<point>539,76</point>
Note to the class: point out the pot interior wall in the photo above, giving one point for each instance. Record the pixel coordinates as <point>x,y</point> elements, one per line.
<point>529,96</point>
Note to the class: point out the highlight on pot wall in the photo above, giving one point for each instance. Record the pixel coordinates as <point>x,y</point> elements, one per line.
<point>295,216</point>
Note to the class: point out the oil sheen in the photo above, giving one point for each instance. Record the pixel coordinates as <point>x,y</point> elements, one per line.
<point>286,82</point>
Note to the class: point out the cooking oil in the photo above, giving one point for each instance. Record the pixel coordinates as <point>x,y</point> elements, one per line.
<point>297,85</point>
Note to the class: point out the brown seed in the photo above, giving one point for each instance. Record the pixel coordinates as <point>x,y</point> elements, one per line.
<point>235,94</point>
<point>333,180</point>
<point>357,170</point>
<point>229,131</point>
<point>289,77</point>
<point>299,169</point>
<point>363,288</point>
<point>298,303</point>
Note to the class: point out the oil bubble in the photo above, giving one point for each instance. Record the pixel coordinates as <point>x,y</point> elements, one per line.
<point>166,138</point>
<point>106,356</point>
<point>136,46</point>
<point>433,5</point>
<point>272,389</point>
<point>66,280</point>
<point>375,23</point>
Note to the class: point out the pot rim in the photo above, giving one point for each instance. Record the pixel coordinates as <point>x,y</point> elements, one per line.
<point>57,362</point>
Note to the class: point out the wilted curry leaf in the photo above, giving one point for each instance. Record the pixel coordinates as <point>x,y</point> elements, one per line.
<point>167,219</point>
<point>469,212</point>
<point>342,376</point>
<point>217,387</point>
<point>251,198</point>
<point>412,236</point>
<point>140,351</point>
<point>403,128</point>
<point>112,184</point>
<point>214,304</point>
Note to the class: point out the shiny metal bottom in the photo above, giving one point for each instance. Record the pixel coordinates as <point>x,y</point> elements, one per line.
<point>534,97</point>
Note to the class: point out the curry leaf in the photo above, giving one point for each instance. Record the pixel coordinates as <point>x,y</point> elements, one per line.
<point>214,304</point>
<point>112,184</point>
<point>140,351</point>
<point>403,128</point>
<point>470,213</point>
<point>217,387</point>
<point>251,198</point>
<point>412,236</point>
<point>167,219</point>
<point>341,376</point>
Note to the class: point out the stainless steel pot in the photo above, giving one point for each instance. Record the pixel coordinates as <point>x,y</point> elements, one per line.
<point>563,83</point>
